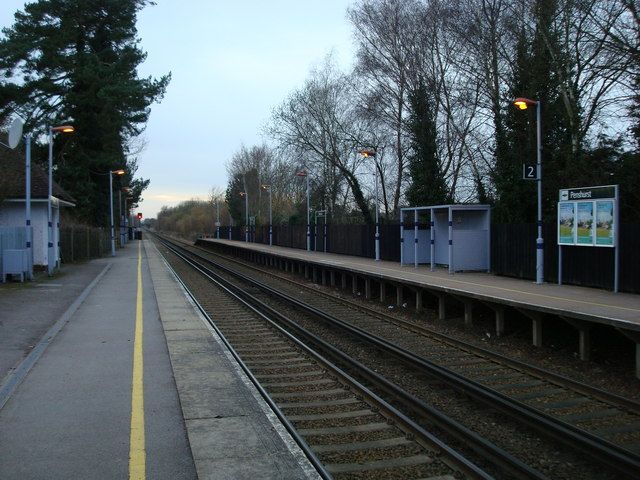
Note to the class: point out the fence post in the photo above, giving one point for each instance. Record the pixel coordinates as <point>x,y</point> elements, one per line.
<point>86,231</point>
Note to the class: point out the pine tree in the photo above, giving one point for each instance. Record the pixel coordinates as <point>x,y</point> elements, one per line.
<point>427,183</point>
<point>76,61</point>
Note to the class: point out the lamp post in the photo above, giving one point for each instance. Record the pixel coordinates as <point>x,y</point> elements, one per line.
<point>50,249</point>
<point>246,210</point>
<point>113,238</point>
<point>366,153</point>
<point>217,219</point>
<point>523,104</point>
<point>304,173</point>
<point>123,216</point>
<point>27,200</point>
<point>268,189</point>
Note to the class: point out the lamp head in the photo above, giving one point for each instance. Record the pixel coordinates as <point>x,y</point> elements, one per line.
<point>242,194</point>
<point>118,172</point>
<point>63,129</point>
<point>265,187</point>
<point>524,103</point>
<point>367,152</point>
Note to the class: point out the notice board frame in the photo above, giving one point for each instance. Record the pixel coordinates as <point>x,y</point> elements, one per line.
<point>589,205</point>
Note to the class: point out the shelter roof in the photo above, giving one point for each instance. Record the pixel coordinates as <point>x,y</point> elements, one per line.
<point>12,182</point>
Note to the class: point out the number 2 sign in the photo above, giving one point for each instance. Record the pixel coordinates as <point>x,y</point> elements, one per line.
<point>529,171</point>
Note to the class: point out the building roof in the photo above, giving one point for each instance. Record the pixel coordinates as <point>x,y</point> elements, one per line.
<point>12,181</point>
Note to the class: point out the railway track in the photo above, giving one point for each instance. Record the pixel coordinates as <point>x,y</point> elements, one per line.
<point>611,418</point>
<point>346,430</point>
<point>471,370</point>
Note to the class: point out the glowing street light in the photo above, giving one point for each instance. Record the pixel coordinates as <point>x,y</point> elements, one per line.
<point>524,103</point>
<point>304,173</point>
<point>50,249</point>
<point>370,153</point>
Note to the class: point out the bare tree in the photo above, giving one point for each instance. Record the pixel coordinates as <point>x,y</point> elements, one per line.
<point>318,125</point>
<point>386,35</point>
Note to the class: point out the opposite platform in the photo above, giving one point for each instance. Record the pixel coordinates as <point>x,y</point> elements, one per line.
<point>620,310</point>
<point>580,307</point>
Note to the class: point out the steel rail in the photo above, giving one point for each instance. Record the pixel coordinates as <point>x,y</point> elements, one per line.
<point>429,440</point>
<point>552,377</point>
<point>613,456</point>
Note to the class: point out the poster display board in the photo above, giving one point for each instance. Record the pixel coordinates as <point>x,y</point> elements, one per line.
<point>588,217</point>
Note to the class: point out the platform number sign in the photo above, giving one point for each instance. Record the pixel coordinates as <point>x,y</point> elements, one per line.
<point>529,171</point>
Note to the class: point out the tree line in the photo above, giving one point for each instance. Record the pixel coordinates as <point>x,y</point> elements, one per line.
<point>432,91</point>
<point>75,61</point>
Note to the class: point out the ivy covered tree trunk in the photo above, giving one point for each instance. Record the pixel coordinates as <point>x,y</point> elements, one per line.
<point>427,184</point>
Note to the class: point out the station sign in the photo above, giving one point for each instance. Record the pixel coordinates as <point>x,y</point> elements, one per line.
<point>529,171</point>
<point>588,193</point>
<point>588,216</point>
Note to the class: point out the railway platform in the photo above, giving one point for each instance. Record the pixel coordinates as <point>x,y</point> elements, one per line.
<point>108,371</point>
<point>390,282</point>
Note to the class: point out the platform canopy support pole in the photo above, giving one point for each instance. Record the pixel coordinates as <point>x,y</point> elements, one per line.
<point>450,240</point>
<point>401,237</point>
<point>415,239</point>
<point>433,239</point>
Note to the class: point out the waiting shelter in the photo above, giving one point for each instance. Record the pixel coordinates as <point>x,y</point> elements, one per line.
<point>458,236</point>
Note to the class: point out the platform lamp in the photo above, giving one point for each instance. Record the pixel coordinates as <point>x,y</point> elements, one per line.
<point>246,210</point>
<point>524,103</point>
<point>113,239</point>
<point>128,219</point>
<point>123,213</point>
<point>371,153</point>
<point>304,173</point>
<point>267,188</point>
<point>52,130</point>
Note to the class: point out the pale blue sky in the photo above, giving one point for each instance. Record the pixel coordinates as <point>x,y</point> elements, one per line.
<point>232,63</point>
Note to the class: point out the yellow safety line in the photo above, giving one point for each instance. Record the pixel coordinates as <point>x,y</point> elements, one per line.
<point>137,453</point>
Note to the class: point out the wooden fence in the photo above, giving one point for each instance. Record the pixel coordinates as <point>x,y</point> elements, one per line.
<point>79,243</point>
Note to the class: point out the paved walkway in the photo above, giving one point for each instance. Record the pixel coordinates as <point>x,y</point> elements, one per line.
<point>104,394</point>
<point>617,309</point>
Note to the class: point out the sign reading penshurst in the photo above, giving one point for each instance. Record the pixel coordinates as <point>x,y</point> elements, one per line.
<point>587,216</point>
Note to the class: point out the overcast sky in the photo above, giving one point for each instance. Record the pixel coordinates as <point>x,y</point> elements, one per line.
<point>231,64</point>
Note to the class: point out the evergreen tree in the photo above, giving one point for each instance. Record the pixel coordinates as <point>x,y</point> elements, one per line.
<point>539,59</point>
<point>427,183</point>
<point>515,145</point>
<point>76,61</point>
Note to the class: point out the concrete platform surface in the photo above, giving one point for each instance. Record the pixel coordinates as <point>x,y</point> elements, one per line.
<point>70,416</point>
<point>621,310</point>
<point>233,433</point>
